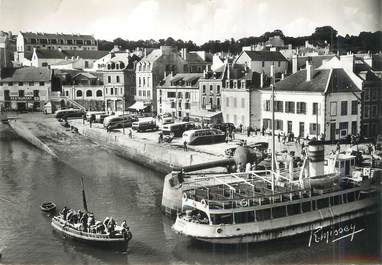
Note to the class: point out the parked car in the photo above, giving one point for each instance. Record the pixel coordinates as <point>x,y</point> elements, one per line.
<point>203,136</point>
<point>145,125</point>
<point>121,121</point>
<point>66,113</point>
<point>177,129</point>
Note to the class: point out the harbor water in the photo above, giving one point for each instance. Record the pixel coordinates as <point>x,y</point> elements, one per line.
<point>119,188</point>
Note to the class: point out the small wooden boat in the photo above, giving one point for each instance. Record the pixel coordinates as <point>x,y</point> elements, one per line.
<point>48,206</point>
<point>120,237</point>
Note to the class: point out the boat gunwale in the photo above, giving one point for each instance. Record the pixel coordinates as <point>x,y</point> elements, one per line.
<point>94,237</point>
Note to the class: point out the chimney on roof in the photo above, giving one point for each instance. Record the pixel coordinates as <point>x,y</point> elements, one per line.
<point>262,79</point>
<point>309,71</point>
<point>294,63</point>
<point>145,52</point>
<point>347,62</point>
<point>204,73</point>
<point>272,73</point>
<point>183,53</point>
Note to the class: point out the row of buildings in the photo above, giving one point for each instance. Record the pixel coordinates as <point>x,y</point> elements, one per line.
<point>326,95</point>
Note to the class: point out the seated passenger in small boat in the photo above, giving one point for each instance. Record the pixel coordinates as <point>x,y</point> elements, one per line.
<point>64,212</point>
<point>84,222</point>
<point>111,226</point>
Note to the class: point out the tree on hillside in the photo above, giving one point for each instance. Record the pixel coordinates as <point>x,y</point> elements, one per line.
<point>325,33</point>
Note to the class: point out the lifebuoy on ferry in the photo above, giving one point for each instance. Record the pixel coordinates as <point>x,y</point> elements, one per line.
<point>244,203</point>
<point>219,230</point>
<point>204,203</point>
<point>184,196</point>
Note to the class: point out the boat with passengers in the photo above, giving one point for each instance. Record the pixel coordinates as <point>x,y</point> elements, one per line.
<point>82,226</point>
<point>119,236</point>
<point>263,205</point>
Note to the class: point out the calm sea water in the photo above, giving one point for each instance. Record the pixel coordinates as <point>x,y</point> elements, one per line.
<point>119,188</point>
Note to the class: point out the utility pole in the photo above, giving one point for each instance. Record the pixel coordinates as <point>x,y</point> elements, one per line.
<point>317,122</point>
<point>273,136</point>
<point>123,114</point>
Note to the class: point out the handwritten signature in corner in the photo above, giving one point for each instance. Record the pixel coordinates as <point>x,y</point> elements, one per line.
<point>332,235</point>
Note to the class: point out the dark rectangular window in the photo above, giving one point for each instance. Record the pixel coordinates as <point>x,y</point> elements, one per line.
<point>222,218</point>
<point>289,107</point>
<point>262,215</point>
<point>315,108</point>
<point>69,42</point>
<point>35,93</point>
<point>244,217</point>
<point>278,212</point>
<point>344,108</point>
<point>301,108</point>
<point>21,93</point>
<point>278,106</point>
<point>41,83</point>
<point>171,94</point>
<point>279,125</point>
<point>31,83</point>
<point>354,127</point>
<point>293,209</point>
<point>21,84</point>
<point>267,105</point>
<point>354,107</point>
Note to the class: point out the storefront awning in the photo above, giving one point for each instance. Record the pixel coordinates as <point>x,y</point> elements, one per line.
<point>138,106</point>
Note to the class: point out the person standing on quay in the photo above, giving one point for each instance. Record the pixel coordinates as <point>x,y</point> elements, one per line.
<point>185,145</point>
<point>130,133</point>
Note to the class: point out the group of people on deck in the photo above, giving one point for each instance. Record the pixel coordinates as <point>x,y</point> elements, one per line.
<point>86,222</point>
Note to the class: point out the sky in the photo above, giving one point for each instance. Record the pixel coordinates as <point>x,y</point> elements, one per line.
<point>196,20</point>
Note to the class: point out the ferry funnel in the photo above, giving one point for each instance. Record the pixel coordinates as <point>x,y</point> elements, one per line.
<point>316,158</point>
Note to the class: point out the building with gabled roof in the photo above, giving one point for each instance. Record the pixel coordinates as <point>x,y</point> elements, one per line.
<point>152,69</point>
<point>179,95</point>
<point>27,41</point>
<point>25,88</point>
<point>261,61</point>
<point>322,103</point>
<point>63,59</point>
<point>239,94</point>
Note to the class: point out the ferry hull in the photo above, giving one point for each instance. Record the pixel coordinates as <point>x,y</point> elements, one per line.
<point>294,226</point>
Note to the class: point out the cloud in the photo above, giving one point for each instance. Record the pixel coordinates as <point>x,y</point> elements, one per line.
<point>198,20</point>
<point>300,27</point>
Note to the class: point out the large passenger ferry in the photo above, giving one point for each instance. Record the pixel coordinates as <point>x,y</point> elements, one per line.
<point>264,204</point>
